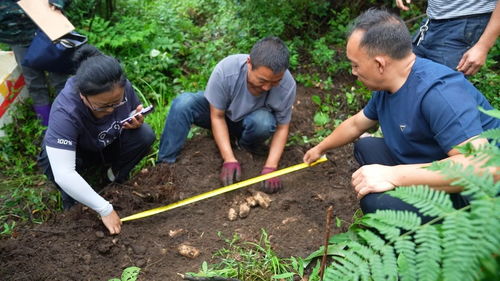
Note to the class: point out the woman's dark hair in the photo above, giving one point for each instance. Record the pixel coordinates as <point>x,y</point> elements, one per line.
<point>97,73</point>
<point>384,33</point>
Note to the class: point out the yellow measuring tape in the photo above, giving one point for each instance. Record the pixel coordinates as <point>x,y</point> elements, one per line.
<point>224,189</point>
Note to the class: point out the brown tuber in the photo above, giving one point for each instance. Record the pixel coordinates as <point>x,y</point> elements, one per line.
<point>232,215</point>
<point>251,201</point>
<point>188,251</point>
<point>244,210</point>
<point>262,199</point>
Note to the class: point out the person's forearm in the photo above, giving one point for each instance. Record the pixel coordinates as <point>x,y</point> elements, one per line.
<point>76,187</point>
<point>277,146</point>
<point>221,137</point>
<point>345,133</point>
<point>491,32</point>
<point>417,174</point>
<point>62,163</point>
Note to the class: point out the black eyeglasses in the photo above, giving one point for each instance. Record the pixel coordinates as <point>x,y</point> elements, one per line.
<point>107,107</point>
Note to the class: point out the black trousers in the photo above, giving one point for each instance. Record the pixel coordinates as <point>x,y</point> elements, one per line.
<point>121,155</point>
<point>372,150</point>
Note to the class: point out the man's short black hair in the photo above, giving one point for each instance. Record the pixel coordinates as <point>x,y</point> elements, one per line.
<point>270,52</point>
<point>385,33</point>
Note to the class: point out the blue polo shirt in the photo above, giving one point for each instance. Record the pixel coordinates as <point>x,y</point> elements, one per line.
<point>435,110</point>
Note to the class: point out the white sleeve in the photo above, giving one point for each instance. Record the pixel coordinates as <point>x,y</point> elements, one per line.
<point>62,163</point>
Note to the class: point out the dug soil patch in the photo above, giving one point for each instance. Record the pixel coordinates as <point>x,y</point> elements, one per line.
<point>75,245</point>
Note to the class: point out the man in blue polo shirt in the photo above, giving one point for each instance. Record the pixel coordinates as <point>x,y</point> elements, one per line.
<point>424,109</point>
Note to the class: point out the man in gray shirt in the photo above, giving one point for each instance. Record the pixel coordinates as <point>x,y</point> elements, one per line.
<point>248,98</point>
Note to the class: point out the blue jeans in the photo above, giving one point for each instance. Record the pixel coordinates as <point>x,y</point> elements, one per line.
<point>193,108</point>
<point>374,151</point>
<point>447,40</point>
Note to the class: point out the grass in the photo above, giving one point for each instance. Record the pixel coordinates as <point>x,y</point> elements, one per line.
<point>250,261</point>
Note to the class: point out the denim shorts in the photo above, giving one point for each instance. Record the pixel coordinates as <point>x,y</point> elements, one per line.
<point>447,40</point>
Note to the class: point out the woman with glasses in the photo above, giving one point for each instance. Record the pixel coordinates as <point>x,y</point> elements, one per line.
<point>84,133</point>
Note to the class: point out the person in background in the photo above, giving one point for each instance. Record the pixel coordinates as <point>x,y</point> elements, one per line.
<point>17,30</point>
<point>458,34</point>
<point>424,109</point>
<point>248,98</point>
<point>85,131</point>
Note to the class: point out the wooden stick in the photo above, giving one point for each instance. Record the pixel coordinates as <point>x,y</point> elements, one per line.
<point>329,215</point>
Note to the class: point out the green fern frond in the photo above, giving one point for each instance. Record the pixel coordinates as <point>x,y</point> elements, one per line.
<point>459,260</point>
<point>493,134</point>
<point>406,260</point>
<point>352,263</point>
<point>372,239</point>
<point>491,112</point>
<point>485,218</point>
<point>389,262</point>
<point>376,268</point>
<point>344,268</point>
<point>478,185</point>
<point>430,202</point>
<point>402,219</point>
<point>357,255</point>
<point>428,253</point>
<point>333,273</point>
<point>487,153</point>
<point>371,253</point>
<point>390,232</point>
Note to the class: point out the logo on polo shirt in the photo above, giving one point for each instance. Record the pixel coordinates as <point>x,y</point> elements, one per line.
<point>65,142</point>
<point>402,127</point>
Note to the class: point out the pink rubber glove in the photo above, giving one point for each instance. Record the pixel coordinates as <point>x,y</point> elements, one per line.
<point>271,185</point>
<point>230,173</point>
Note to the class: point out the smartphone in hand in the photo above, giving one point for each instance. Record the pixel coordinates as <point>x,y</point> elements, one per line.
<point>143,112</point>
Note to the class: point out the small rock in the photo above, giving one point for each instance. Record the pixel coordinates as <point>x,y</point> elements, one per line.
<point>232,215</point>
<point>99,234</point>
<point>244,210</point>
<point>176,232</point>
<point>144,171</point>
<point>188,251</point>
<point>251,201</point>
<point>141,263</point>
<point>87,258</point>
<point>103,248</point>
<point>138,249</point>
<point>114,241</point>
<point>289,220</point>
<point>262,199</point>
<point>163,251</point>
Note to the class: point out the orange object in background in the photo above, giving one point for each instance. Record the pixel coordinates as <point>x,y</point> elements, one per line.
<point>12,87</point>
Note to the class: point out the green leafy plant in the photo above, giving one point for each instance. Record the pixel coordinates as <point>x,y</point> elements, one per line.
<point>22,141</point>
<point>129,274</point>
<point>458,244</point>
<point>251,261</point>
<point>27,204</point>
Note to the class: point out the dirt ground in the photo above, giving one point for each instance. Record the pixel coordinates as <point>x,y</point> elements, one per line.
<point>75,244</point>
